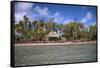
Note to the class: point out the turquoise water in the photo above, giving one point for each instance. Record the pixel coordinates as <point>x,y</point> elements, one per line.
<point>36,55</point>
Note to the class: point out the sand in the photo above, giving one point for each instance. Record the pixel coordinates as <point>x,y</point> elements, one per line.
<point>43,44</point>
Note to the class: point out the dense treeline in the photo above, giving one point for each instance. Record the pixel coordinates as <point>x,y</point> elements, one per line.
<point>37,30</point>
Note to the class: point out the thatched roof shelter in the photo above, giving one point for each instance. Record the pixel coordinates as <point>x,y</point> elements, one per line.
<point>53,34</point>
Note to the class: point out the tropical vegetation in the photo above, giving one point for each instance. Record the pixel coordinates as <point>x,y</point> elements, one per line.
<point>37,30</point>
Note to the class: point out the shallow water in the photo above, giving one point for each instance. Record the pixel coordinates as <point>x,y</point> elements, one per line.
<point>36,55</point>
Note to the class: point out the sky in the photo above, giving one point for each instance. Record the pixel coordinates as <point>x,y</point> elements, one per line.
<point>62,14</point>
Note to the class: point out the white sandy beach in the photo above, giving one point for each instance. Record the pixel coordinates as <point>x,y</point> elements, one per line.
<point>66,43</point>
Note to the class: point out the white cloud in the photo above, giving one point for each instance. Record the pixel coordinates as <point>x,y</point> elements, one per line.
<point>41,11</point>
<point>19,16</point>
<point>22,9</point>
<point>56,14</point>
<point>84,20</point>
<point>23,6</point>
<point>94,23</point>
<point>55,20</point>
<point>87,17</point>
<point>58,19</point>
<point>68,21</point>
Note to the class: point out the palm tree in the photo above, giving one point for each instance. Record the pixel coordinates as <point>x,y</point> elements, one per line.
<point>24,28</point>
<point>93,32</point>
<point>49,25</point>
<point>73,30</point>
<point>34,24</point>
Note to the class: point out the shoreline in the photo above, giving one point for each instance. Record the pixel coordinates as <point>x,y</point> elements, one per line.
<point>47,44</point>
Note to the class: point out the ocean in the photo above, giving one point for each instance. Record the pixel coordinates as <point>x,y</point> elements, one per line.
<point>53,54</point>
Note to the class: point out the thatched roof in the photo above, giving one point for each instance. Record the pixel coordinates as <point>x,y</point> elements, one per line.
<point>52,34</point>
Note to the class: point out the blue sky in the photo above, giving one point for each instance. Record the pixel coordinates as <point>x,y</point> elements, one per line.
<point>62,14</point>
